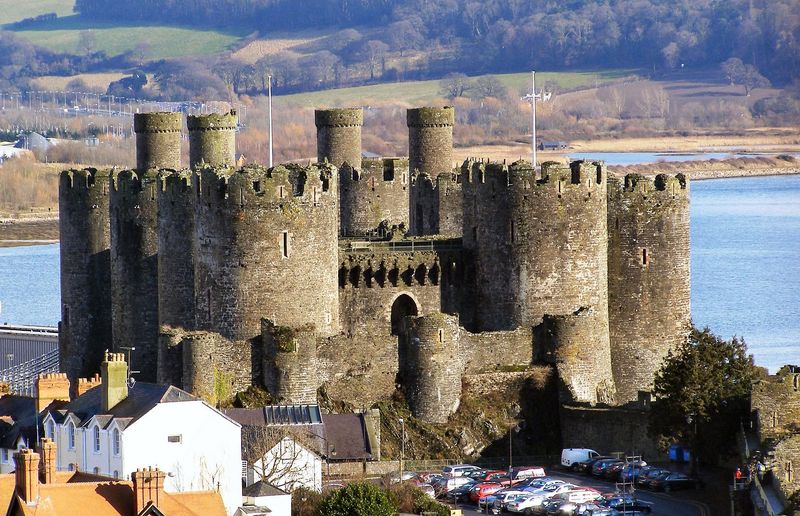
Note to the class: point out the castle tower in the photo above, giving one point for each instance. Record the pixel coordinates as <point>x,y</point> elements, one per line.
<point>584,371</point>
<point>541,248</point>
<point>290,362</point>
<point>375,194</point>
<point>134,268</point>
<point>176,249</point>
<point>430,153</point>
<point>433,386</point>
<point>267,247</point>
<point>648,276</point>
<point>339,136</point>
<point>158,140</point>
<point>85,327</point>
<point>212,139</point>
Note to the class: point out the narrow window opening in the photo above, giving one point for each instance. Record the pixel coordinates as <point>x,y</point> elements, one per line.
<point>285,244</point>
<point>405,179</point>
<point>645,257</point>
<point>152,192</point>
<point>66,315</point>
<point>281,193</point>
<point>208,303</point>
<point>241,197</point>
<point>441,336</point>
<point>616,223</point>
<point>256,186</point>
<point>475,233</point>
<point>372,184</point>
<point>599,176</point>
<point>388,172</point>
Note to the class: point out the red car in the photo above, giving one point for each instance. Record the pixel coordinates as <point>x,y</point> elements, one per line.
<point>486,476</point>
<point>483,490</point>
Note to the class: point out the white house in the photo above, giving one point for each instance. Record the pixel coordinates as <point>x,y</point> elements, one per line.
<point>114,429</point>
<point>289,465</point>
<point>263,499</point>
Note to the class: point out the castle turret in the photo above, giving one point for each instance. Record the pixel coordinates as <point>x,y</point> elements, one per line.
<point>134,268</point>
<point>267,247</point>
<point>85,327</point>
<point>339,136</point>
<point>176,249</point>
<point>212,139</point>
<point>430,153</point>
<point>290,362</point>
<point>375,195</point>
<point>433,382</point>
<point>158,140</point>
<point>649,276</point>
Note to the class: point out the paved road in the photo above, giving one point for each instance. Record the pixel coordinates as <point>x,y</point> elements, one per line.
<point>663,504</point>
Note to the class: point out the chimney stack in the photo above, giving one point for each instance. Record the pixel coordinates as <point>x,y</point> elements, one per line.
<point>148,486</point>
<point>27,475</point>
<point>114,372</point>
<point>51,387</point>
<point>87,384</point>
<point>47,452</point>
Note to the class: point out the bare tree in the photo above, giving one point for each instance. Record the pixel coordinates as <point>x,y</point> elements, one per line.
<point>732,68</point>
<point>490,86</point>
<point>374,53</point>
<point>614,97</point>
<point>87,41</point>
<point>278,456</point>
<point>752,79</point>
<point>454,85</point>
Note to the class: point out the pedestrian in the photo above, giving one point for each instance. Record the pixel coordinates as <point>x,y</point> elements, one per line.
<point>760,468</point>
<point>738,475</point>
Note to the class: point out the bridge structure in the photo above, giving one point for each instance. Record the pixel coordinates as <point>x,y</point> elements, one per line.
<point>25,353</point>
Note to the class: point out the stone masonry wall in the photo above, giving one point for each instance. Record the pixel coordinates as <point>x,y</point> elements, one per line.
<point>648,276</point>
<point>375,193</point>
<point>290,363</point>
<point>608,430</point>
<point>158,140</point>
<point>775,403</point>
<point>339,136</point>
<point>85,327</point>
<point>134,269</point>
<point>212,139</point>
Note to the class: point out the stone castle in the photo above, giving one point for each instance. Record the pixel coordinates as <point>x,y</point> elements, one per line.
<point>359,276</point>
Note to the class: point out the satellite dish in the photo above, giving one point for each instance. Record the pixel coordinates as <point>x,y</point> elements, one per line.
<point>131,382</point>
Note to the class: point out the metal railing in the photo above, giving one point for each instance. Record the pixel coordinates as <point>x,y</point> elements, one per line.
<point>22,377</point>
<point>402,245</point>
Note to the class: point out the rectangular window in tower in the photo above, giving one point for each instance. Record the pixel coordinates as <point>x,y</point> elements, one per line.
<point>66,315</point>
<point>405,179</point>
<point>475,233</point>
<point>645,257</point>
<point>281,192</point>
<point>441,336</point>
<point>285,244</point>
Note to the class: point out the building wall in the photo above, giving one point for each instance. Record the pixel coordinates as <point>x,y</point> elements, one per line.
<point>775,403</point>
<point>134,269</point>
<point>339,136</point>
<point>289,466</point>
<point>85,327</point>
<point>648,276</point>
<point>608,430</point>
<point>785,465</point>
<point>436,204</point>
<point>375,193</point>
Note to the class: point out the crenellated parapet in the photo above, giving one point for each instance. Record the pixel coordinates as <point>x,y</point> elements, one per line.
<point>648,274</point>
<point>290,362</point>
<point>339,136</point>
<point>435,366</point>
<point>374,196</point>
<point>394,269</point>
<point>212,139</point>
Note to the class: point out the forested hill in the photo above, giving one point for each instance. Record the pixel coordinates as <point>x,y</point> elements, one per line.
<point>514,34</point>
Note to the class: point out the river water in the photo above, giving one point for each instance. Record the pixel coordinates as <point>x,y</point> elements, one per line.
<point>745,267</point>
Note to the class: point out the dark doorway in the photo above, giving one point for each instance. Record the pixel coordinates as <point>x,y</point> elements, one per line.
<point>403,306</point>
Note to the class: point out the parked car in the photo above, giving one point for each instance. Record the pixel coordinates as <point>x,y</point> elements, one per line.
<point>627,503</point>
<point>498,502</point>
<point>521,473</point>
<point>482,490</point>
<point>396,477</point>
<point>490,475</point>
<point>533,503</point>
<point>599,467</point>
<point>530,484</point>
<point>631,472</point>
<point>457,494</point>
<point>458,470</point>
<point>428,490</point>
<point>648,475</point>
<point>570,456</point>
<point>613,470</point>
<point>447,485</point>
<point>567,503</point>
<point>585,467</point>
<point>672,482</point>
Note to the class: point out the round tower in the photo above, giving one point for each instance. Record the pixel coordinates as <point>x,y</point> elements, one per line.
<point>435,367</point>
<point>134,269</point>
<point>290,362</point>
<point>584,371</point>
<point>176,249</point>
<point>212,139</point>
<point>649,276</point>
<point>430,139</point>
<point>267,247</point>
<point>374,195</point>
<point>85,327</point>
<point>158,140</point>
<point>339,136</point>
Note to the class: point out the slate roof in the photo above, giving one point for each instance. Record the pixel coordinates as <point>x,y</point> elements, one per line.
<point>142,398</point>
<point>347,437</point>
<point>18,418</point>
<point>262,488</point>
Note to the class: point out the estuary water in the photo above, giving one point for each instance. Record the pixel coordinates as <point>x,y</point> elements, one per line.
<point>745,267</point>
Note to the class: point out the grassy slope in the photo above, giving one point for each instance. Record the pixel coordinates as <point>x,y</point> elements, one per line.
<point>416,92</point>
<point>63,34</point>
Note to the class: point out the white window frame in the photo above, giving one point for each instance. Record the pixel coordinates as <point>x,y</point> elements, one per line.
<point>96,438</point>
<point>116,441</point>
<point>70,436</point>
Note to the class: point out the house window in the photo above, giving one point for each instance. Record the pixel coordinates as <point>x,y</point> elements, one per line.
<point>71,436</point>
<point>96,471</point>
<point>174,439</point>
<point>96,434</point>
<point>5,455</point>
<point>50,431</point>
<point>115,439</point>
<point>116,474</point>
<point>71,466</point>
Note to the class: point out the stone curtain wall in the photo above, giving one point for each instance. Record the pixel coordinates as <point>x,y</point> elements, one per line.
<point>375,193</point>
<point>775,402</point>
<point>608,430</point>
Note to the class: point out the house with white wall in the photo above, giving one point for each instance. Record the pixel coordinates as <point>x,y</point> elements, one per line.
<point>120,426</point>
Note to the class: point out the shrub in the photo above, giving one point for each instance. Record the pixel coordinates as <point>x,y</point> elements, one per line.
<point>358,499</point>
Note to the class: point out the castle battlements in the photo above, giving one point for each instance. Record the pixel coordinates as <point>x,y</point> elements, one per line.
<point>86,179</point>
<point>392,269</point>
<point>175,183</point>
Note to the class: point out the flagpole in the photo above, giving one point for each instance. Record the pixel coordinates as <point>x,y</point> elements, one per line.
<point>269,94</point>
<point>533,116</point>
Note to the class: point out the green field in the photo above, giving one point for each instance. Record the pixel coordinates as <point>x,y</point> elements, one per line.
<point>64,35</point>
<point>15,10</point>
<point>418,92</point>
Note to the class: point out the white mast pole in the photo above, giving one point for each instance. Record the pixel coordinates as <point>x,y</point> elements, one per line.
<point>533,115</point>
<point>269,94</point>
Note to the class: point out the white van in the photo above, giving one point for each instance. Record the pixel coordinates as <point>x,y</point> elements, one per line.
<point>569,456</point>
<point>458,470</point>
